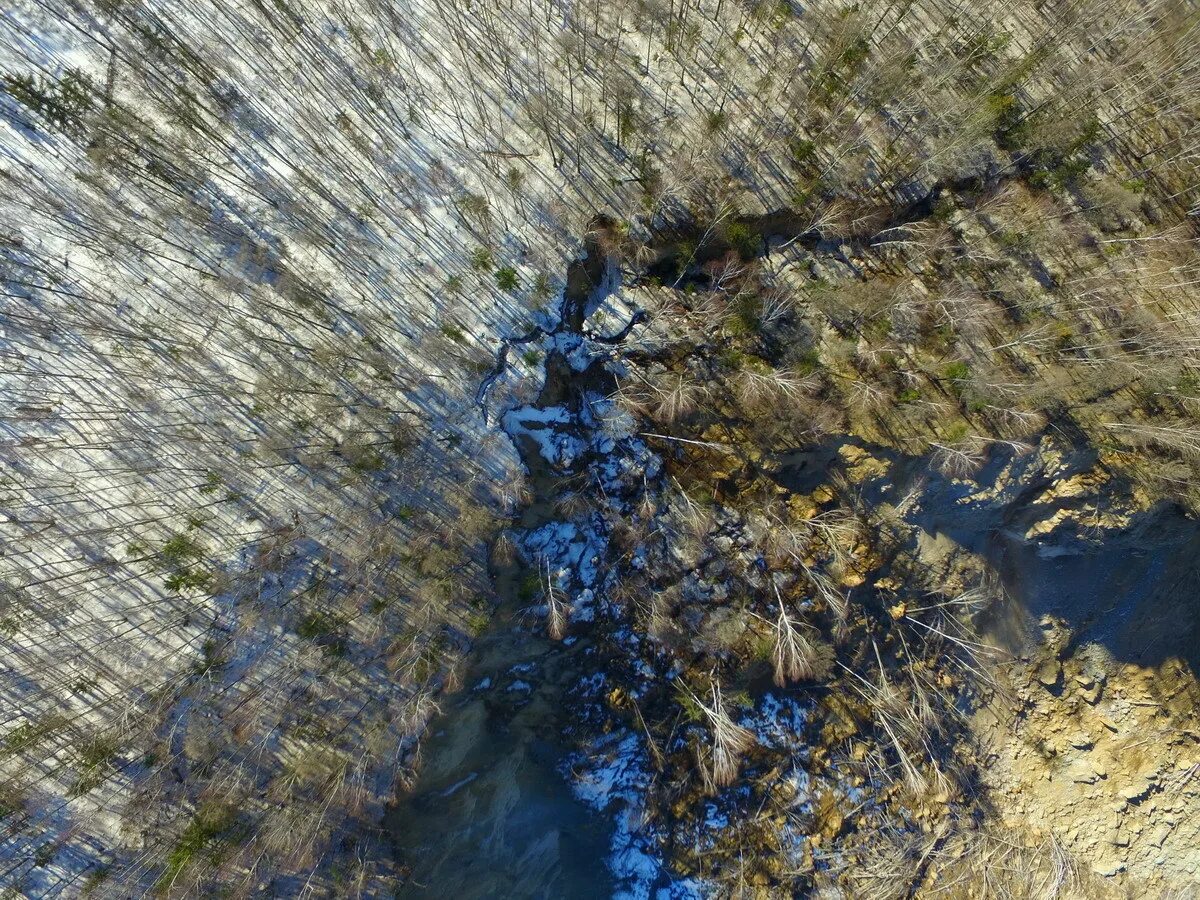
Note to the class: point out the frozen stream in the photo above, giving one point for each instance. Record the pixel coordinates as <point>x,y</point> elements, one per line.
<point>506,804</point>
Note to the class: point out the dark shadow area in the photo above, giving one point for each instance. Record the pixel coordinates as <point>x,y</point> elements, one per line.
<point>1135,590</point>
<point>491,815</point>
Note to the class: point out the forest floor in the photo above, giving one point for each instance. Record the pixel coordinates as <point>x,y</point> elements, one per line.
<point>853,485</point>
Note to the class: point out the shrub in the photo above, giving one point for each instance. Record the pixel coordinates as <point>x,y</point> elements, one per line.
<point>404,437</point>
<point>481,259</point>
<point>1005,114</point>
<point>189,578</point>
<point>529,588</point>
<point>506,278</point>
<point>325,629</point>
<point>95,760</point>
<point>29,734</point>
<point>715,121</point>
<point>542,287</point>
<point>62,104</point>
<point>211,822</point>
<point>744,239</point>
<point>476,208</point>
<point>365,460</point>
<point>210,658</point>
<point>957,374</point>
<point>180,549</point>
<point>96,878</point>
<point>803,150</point>
<point>318,624</point>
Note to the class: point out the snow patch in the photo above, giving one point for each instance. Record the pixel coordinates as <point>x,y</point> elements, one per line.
<point>612,776</point>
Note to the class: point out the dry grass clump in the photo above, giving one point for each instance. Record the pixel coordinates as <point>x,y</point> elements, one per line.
<point>964,457</point>
<point>557,609</point>
<point>958,460</point>
<point>574,505</point>
<point>835,599</point>
<point>757,386</point>
<point>665,398</point>
<point>504,550</point>
<point>910,717</point>
<point>958,861</point>
<point>697,517</point>
<point>720,762</point>
<point>795,658</point>
<point>1001,866</point>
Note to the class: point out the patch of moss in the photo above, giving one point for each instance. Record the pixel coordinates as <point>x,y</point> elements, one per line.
<point>957,373</point>
<point>212,822</point>
<point>180,549</point>
<point>529,587</point>
<point>30,734</point>
<point>95,759</point>
<point>743,239</point>
<point>506,278</point>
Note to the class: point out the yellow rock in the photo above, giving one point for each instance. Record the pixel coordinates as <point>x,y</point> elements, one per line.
<point>860,464</point>
<point>823,494</point>
<point>850,579</point>
<point>802,507</point>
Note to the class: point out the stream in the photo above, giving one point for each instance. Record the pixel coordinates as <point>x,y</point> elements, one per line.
<point>491,815</point>
<point>506,804</point>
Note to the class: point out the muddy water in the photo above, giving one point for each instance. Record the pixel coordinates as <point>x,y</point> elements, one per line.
<point>491,814</point>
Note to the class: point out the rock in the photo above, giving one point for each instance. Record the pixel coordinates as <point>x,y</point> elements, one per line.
<point>1134,792</point>
<point>1108,867</point>
<point>1049,673</point>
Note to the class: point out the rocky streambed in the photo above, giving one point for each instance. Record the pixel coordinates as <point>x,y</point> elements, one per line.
<point>520,794</point>
<point>967,640</point>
